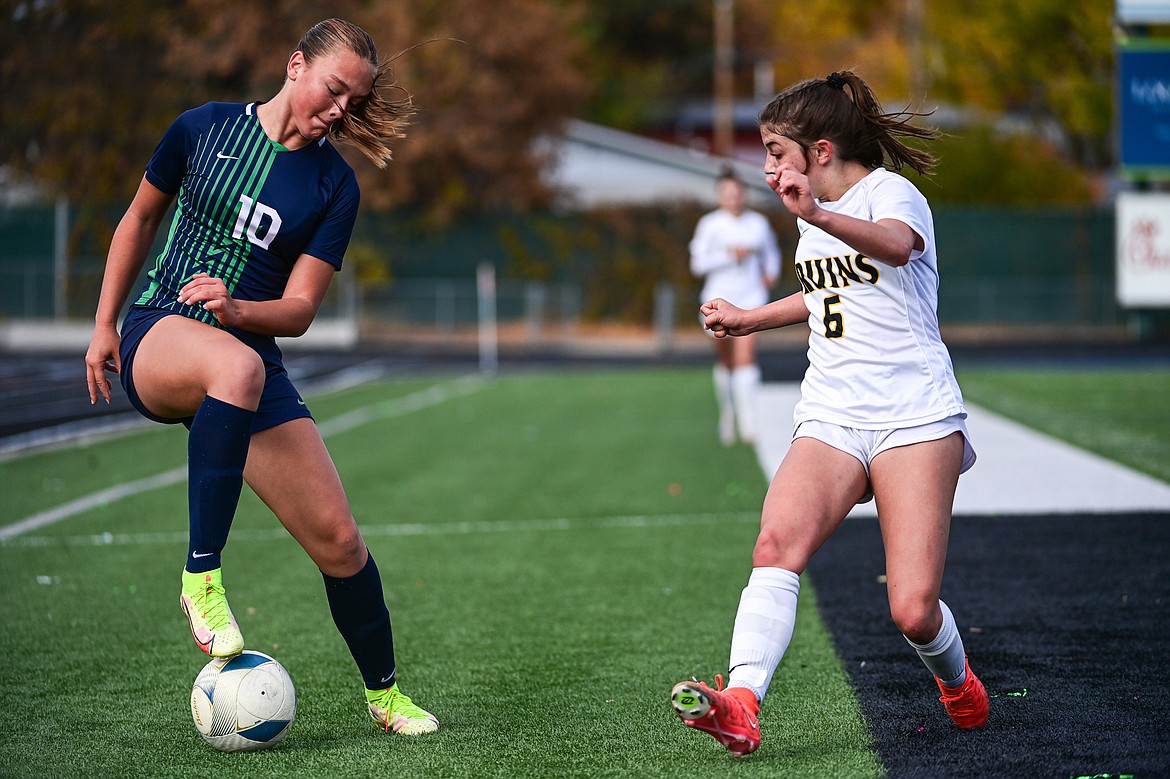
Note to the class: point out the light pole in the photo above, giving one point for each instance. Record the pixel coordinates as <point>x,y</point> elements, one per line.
<point>724,129</point>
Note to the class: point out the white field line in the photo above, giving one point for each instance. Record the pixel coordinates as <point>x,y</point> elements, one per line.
<point>1019,471</point>
<point>92,501</point>
<point>408,529</point>
<point>396,407</point>
<point>89,431</point>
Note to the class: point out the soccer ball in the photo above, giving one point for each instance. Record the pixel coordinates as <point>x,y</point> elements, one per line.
<point>243,702</point>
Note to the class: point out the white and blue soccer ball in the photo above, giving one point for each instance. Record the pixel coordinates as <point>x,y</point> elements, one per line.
<point>244,702</point>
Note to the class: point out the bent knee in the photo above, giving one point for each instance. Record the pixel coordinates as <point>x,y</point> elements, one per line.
<point>338,547</point>
<point>239,377</point>
<point>773,550</point>
<point>917,618</point>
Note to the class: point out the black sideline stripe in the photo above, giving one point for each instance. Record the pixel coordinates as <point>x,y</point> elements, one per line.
<point>1066,619</point>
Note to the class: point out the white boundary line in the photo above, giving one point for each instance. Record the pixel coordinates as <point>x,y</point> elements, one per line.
<point>1019,471</point>
<point>92,501</point>
<point>87,431</point>
<point>1030,474</point>
<point>408,529</point>
<point>396,407</point>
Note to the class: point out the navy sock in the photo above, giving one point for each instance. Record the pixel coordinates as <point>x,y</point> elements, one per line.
<point>217,448</point>
<point>359,611</point>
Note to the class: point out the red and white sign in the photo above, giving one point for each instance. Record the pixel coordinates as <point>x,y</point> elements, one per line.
<point>1143,250</point>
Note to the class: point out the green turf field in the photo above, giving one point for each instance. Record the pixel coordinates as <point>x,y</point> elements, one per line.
<point>557,550</point>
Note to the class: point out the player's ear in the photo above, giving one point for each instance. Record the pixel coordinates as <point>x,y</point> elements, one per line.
<point>822,151</point>
<point>296,65</point>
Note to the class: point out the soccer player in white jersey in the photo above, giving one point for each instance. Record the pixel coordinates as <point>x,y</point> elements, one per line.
<point>734,251</point>
<point>265,206</point>
<point>880,415</point>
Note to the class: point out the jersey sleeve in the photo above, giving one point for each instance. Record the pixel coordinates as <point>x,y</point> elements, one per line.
<point>894,197</point>
<point>771,251</point>
<point>331,238</point>
<point>168,165</point>
<point>706,254</point>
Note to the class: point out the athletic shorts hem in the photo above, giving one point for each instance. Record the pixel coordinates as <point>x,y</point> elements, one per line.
<point>279,402</point>
<point>865,445</point>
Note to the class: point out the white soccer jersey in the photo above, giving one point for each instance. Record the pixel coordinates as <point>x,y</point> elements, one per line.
<point>876,359</point>
<point>717,235</point>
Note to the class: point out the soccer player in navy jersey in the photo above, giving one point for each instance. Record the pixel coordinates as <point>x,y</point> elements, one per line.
<point>265,206</point>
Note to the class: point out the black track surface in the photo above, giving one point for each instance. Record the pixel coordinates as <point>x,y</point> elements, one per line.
<point>1066,619</point>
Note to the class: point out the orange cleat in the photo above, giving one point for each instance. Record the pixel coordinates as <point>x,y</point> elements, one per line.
<point>730,716</point>
<point>967,705</point>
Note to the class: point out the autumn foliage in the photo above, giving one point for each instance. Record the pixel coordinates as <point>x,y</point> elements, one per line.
<point>92,86</point>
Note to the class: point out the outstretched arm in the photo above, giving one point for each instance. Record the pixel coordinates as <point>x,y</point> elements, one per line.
<point>724,319</point>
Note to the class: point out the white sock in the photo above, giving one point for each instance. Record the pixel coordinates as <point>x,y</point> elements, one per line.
<point>763,628</point>
<point>723,397</point>
<point>723,388</point>
<point>945,656</point>
<point>745,382</point>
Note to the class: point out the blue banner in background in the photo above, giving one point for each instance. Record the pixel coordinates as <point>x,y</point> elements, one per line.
<point>1144,104</point>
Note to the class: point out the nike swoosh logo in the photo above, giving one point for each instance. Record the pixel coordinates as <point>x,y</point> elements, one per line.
<point>386,679</point>
<point>197,555</point>
<point>204,645</point>
<point>301,402</point>
<point>222,156</point>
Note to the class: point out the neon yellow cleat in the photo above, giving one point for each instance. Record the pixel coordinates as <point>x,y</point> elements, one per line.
<point>393,710</point>
<point>212,624</point>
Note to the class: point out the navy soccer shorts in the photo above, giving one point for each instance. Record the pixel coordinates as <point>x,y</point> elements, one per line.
<point>279,403</point>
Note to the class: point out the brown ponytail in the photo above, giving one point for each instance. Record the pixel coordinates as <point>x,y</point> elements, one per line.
<point>843,109</point>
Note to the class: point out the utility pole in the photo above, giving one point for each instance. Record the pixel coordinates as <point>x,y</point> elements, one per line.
<point>724,122</point>
<point>917,82</point>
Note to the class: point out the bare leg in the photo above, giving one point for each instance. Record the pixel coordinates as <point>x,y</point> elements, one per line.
<point>180,361</point>
<point>187,369</point>
<point>814,488</point>
<point>292,472</point>
<point>914,487</point>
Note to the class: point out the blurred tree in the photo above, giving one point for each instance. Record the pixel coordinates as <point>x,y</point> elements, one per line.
<point>820,36</point>
<point>1042,68</point>
<point>1006,70</point>
<point>91,86</point>
<point>497,76</point>
<point>981,166</point>
<point>1046,61</point>
<point>84,93</point>
<point>649,57</point>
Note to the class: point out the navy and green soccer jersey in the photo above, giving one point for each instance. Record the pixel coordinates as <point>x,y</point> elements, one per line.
<point>247,207</point>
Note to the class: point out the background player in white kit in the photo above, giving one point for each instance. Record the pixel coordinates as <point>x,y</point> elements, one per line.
<point>734,251</point>
<point>880,413</point>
